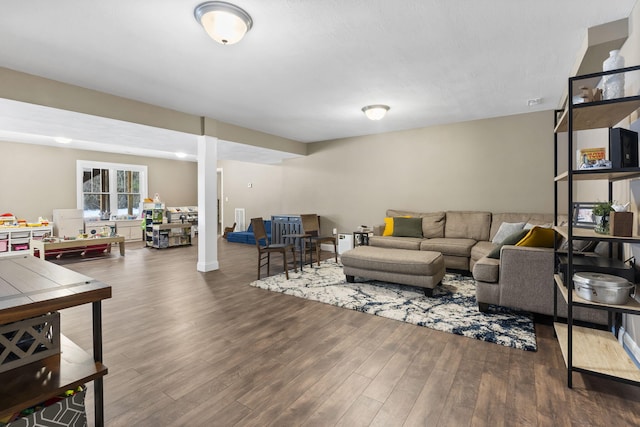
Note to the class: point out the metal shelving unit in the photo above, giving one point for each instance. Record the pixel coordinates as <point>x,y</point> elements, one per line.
<point>588,350</point>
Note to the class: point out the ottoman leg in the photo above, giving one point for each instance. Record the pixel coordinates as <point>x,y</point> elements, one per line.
<point>350,279</point>
<point>428,292</point>
<point>483,307</point>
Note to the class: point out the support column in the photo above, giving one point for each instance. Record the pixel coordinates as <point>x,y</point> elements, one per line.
<point>207,203</point>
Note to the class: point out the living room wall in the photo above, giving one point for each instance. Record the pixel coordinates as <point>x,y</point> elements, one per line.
<point>502,164</point>
<point>262,199</point>
<point>37,179</point>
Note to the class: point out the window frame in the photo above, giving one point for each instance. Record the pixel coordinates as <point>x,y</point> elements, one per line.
<point>81,165</point>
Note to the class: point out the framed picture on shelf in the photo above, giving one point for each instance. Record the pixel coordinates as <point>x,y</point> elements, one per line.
<point>583,215</point>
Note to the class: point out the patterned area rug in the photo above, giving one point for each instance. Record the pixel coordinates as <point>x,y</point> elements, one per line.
<point>452,308</point>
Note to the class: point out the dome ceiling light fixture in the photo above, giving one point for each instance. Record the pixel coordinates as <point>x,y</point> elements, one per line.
<point>226,23</point>
<point>375,112</point>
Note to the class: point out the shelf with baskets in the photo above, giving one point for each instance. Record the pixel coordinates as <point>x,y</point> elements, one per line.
<point>33,289</point>
<point>590,350</point>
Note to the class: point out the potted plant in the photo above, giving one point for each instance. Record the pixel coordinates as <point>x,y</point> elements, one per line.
<point>601,212</point>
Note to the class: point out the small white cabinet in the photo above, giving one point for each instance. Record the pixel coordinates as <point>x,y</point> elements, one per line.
<point>131,230</point>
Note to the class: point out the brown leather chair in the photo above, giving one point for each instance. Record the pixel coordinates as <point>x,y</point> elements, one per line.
<point>265,249</point>
<point>311,229</point>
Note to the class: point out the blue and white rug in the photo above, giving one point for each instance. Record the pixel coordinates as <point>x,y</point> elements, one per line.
<point>452,308</point>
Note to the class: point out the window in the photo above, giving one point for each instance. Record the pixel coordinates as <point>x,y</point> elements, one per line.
<point>95,191</point>
<point>109,190</point>
<point>128,192</point>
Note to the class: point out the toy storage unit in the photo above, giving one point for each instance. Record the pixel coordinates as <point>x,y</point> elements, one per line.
<point>170,235</point>
<point>152,214</point>
<point>14,240</point>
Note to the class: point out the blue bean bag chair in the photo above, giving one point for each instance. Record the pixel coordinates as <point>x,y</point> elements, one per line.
<point>247,236</point>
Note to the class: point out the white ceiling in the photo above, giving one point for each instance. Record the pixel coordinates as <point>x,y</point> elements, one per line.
<point>305,69</point>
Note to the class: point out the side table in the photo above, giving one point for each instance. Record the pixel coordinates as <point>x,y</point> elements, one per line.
<point>361,238</point>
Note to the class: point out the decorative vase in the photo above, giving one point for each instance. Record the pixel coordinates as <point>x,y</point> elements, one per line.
<point>614,83</point>
<point>602,224</point>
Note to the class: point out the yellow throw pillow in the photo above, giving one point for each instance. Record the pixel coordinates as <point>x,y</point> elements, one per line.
<point>538,237</point>
<point>388,225</point>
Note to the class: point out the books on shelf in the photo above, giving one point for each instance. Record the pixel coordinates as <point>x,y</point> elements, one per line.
<point>592,158</point>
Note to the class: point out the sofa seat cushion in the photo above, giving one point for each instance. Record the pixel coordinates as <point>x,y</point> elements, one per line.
<point>487,270</point>
<point>448,246</point>
<point>481,249</point>
<point>411,243</point>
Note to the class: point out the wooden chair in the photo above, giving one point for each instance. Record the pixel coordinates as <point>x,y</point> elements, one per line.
<point>228,230</point>
<point>265,249</point>
<point>311,228</point>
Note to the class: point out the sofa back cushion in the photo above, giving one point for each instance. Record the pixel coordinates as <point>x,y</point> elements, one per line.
<point>407,227</point>
<point>467,225</point>
<point>432,222</point>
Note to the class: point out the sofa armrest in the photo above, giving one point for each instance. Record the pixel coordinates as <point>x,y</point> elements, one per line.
<point>526,278</point>
<point>526,282</point>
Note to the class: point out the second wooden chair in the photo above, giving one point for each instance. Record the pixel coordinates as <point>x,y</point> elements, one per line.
<point>311,229</point>
<point>265,248</point>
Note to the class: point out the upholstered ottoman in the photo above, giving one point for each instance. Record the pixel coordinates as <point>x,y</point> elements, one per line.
<point>416,268</point>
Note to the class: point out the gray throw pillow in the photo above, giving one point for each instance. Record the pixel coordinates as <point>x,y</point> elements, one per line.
<point>510,240</point>
<point>407,227</point>
<point>506,229</point>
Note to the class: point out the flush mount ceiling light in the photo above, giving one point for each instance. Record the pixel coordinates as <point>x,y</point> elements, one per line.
<point>375,112</point>
<point>226,23</point>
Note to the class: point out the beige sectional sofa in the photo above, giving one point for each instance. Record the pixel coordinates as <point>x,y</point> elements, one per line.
<point>523,276</point>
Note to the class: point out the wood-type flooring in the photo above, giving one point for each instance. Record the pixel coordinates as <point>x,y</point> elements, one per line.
<point>186,348</point>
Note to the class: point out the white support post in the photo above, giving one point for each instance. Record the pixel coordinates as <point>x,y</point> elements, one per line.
<point>207,204</point>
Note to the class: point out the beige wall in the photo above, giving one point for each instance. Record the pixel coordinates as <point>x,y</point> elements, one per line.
<point>262,199</point>
<point>502,164</point>
<point>37,179</point>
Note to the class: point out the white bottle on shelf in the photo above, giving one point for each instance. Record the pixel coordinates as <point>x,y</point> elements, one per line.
<point>613,83</point>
